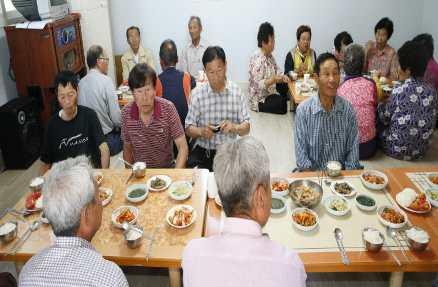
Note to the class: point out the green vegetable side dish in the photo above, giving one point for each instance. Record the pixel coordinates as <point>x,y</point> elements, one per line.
<point>158,183</point>
<point>277,203</point>
<point>433,194</point>
<point>180,191</point>
<point>138,192</point>
<point>365,200</point>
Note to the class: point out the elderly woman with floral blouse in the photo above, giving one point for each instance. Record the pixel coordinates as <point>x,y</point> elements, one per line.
<point>267,86</point>
<point>362,94</point>
<point>380,56</point>
<point>408,117</point>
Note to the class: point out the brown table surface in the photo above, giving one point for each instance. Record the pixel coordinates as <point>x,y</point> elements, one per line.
<point>168,244</point>
<point>363,261</point>
<point>296,97</point>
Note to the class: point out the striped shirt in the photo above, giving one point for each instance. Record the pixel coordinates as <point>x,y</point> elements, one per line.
<point>208,107</point>
<point>322,136</point>
<point>152,143</point>
<point>71,261</point>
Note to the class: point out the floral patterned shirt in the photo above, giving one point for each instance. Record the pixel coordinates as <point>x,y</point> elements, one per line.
<point>261,68</point>
<point>408,119</point>
<point>385,61</point>
<point>362,94</point>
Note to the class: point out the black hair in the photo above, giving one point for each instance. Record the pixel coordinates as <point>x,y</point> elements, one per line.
<point>413,56</point>
<point>427,41</point>
<point>197,19</point>
<point>212,53</point>
<point>321,59</point>
<point>66,77</point>
<point>132,28</point>
<point>342,38</point>
<point>141,75</point>
<point>168,52</point>
<point>93,55</point>
<point>302,29</point>
<point>385,23</point>
<point>266,30</point>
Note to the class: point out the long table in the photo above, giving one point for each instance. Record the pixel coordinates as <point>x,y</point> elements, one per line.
<point>162,245</point>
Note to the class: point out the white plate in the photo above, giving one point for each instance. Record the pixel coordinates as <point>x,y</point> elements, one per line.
<point>332,187</point>
<point>433,202</point>
<point>364,207</point>
<point>279,210</point>
<point>180,185</point>
<point>167,179</point>
<point>429,181</point>
<point>172,211</point>
<point>279,179</point>
<point>301,227</point>
<point>117,211</point>
<point>330,199</point>
<point>218,201</point>
<point>390,224</point>
<point>412,210</point>
<point>374,186</point>
<point>133,187</point>
<point>109,192</point>
<point>97,174</point>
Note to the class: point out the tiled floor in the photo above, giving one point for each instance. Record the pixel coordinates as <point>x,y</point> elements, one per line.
<point>275,131</point>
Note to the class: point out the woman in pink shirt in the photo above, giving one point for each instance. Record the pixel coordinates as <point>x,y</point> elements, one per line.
<point>362,94</point>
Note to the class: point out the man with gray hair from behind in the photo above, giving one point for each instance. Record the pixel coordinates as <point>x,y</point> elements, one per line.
<point>71,205</point>
<point>241,254</point>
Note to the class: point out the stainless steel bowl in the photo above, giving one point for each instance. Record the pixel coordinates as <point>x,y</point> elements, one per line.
<point>8,237</point>
<point>133,243</point>
<point>302,201</point>
<point>371,246</point>
<point>139,169</point>
<point>415,245</point>
<point>334,172</point>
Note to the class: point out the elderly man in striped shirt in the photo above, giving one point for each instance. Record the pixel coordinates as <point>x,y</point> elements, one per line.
<point>325,125</point>
<point>218,112</point>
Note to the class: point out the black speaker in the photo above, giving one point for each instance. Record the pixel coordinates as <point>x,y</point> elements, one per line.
<point>21,132</point>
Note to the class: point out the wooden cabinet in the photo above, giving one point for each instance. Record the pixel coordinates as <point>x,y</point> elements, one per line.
<point>37,56</point>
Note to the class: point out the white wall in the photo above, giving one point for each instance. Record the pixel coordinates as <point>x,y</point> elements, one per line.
<point>430,21</point>
<point>234,24</point>
<point>8,90</point>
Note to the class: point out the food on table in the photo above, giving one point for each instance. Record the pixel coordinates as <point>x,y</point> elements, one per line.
<point>333,165</point>
<point>7,228</point>
<point>277,203</point>
<point>365,200</point>
<point>182,216</point>
<point>304,218</point>
<point>417,235</point>
<point>305,195</point>
<point>433,179</point>
<point>338,204</point>
<point>158,183</point>
<point>374,179</point>
<point>133,234</point>
<point>433,194</point>
<point>138,192</point>
<point>36,182</point>
<point>372,236</point>
<point>406,197</point>
<point>393,216</point>
<point>34,200</point>
<point>410,199</point>
<point>420,203</point>
<point>180,190</point>
<point>343,188</point>
<point>280,186</point>
<point>103,195</point>
<point>125,215</point>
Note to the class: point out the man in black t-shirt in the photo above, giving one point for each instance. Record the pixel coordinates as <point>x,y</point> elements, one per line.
<point>75,130</point>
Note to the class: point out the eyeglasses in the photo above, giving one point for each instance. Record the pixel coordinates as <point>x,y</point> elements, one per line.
<point>102,58</point>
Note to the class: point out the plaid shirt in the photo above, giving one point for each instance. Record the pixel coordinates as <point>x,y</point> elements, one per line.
<point>208,107</point>
<point>322,136</point>
<point>71,261</point>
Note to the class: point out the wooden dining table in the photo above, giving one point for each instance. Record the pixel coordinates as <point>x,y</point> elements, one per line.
<point>361,260</point>
<point>162,244</point>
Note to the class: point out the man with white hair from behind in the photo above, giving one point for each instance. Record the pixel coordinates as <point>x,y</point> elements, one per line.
<point>241,255</point>
<point>71,205</point>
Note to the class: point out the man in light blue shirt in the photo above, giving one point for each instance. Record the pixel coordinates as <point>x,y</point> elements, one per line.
<point>325,125</point>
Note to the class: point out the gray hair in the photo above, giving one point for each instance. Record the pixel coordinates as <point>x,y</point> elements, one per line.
<point>68,188</point>
<point>239,167</point>
<point>93,54</point>
<point>354,59</point>
<point>195,18</point>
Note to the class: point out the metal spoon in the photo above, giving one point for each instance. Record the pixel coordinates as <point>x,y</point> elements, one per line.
<point>125,162</point>
<point>339,236</point>
<point>33,226</point>
<point>393,234</point>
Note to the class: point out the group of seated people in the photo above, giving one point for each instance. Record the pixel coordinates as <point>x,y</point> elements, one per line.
<point>344,122</point>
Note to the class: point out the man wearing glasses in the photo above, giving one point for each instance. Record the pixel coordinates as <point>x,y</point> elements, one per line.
<point>97,91</point>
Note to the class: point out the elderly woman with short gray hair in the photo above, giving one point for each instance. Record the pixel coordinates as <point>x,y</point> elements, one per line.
<point>361,92</point>
<point>70,204</point>
<point>243,254</point>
